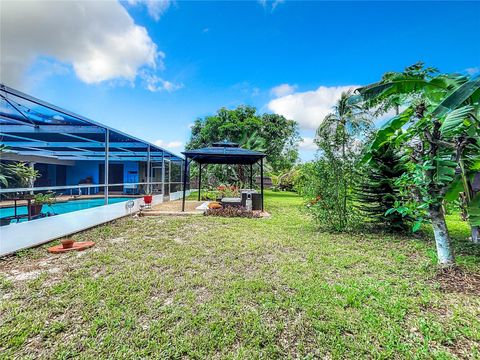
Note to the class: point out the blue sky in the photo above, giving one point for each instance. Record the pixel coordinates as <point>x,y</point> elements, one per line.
<point>150,68</point>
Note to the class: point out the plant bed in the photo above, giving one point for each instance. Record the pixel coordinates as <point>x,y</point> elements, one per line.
<point>233,211</point>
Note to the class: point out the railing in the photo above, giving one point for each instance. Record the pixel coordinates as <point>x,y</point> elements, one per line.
<point>79,187</point>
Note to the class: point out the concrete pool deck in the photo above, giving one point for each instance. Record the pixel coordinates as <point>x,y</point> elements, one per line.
<point>174,208</point>
<point>65,198</point>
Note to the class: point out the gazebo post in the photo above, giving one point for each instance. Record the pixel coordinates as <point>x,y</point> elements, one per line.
<point>261,179</point>
<point>251,176</point>
<point>184,183</point>
<point>199,180</point>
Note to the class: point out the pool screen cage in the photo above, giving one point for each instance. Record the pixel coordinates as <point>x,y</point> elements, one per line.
<point>36,132</point>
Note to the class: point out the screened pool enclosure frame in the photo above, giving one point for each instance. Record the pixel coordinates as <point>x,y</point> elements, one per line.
<point>34,130</point>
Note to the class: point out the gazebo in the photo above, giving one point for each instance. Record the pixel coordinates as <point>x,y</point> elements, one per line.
<point>226,153</point>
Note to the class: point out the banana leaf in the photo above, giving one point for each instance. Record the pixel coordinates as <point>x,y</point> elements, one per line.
<point>455,188</point>
<point>474,211</point>
<point>387,131</point>
<point>457,97</point>
<point>455,119</point>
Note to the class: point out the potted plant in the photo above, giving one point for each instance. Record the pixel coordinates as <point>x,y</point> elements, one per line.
<point>39,200</point>
<point>20,174</point>
<point>147,198</point>
<point>67,243</point>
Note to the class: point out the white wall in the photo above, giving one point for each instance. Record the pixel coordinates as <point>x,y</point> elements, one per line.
<point>18,236</point>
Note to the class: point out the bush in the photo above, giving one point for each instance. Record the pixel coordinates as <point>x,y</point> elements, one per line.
<point>229,191</point>
<point>284,181</point>
<point>209,195</point>
<point>232,211</point>
<point>327,199</point>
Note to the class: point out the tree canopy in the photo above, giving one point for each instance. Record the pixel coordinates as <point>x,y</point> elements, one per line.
<point>278,136</point>
<point>439,131</point>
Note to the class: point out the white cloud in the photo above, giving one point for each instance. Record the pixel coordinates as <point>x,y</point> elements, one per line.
<point>155,83</point>
<point>175,144</point>
<point>155,8</point>
<point>98,39</point>
<point>283,89</point>
<point>472,70</point>
<point>308,108</point>
<point>272,4</point>
<point>308,143</point>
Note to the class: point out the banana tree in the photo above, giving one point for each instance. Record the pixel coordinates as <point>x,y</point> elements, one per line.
<point>439,129</point>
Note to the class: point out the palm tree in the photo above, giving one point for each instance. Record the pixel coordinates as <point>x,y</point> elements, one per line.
<point>347,120</point>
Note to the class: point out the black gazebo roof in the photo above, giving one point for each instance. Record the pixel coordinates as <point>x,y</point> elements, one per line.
<point>224,153</point>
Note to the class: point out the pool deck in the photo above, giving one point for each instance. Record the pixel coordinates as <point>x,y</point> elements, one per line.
<point>65,198</point>
<point>174,208</point>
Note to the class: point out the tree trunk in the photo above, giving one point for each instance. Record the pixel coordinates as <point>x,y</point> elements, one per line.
<point>344,134</point>
<point>442,238</point>
<point>475,234</point>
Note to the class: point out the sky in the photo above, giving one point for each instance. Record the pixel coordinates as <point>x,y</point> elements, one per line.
<point>150,68</point>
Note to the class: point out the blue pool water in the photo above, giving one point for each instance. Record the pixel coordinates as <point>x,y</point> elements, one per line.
<point>64,207</point>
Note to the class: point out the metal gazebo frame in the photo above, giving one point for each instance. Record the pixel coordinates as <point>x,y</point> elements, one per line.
<point>225,153</point>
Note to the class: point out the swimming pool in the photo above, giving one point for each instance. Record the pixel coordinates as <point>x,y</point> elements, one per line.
<point>64,207</point>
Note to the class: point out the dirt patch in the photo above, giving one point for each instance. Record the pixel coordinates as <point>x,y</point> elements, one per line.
<point>457,280</point>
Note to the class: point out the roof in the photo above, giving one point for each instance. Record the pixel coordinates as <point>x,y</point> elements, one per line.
<point>32,127</point>
<point>224,153</point>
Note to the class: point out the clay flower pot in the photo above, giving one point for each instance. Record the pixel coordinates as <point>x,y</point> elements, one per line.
<point>147,199</point>
<point>67,243</point>
<point>36,209</point>
<point>214,205</point>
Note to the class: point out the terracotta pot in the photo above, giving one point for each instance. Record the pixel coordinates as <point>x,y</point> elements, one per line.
<point>214,205</point>
<point>35,209</point>
<point>67,243</point>
<point>147,199</point>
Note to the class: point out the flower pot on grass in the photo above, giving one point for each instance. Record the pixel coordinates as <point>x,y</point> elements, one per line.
<point>67,243</point>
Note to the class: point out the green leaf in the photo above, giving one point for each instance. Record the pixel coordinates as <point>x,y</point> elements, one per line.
<point>417,225</point>
<point>457,97</point>
<point>474,211</point>
<point>456,187</point>
<point>387,131</point>
<point>455,119</point>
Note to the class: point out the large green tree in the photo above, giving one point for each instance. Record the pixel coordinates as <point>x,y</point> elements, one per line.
<point>439,130</point>
<point>278,136</point>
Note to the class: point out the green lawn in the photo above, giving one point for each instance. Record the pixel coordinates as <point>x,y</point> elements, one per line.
<point>201,287</point>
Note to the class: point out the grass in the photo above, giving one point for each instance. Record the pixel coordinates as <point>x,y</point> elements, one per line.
<point>206,287</point>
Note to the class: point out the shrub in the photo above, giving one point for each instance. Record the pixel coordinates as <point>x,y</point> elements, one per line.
<point>232,211</point>
<point>284,181</point>
<point>327,199</point>
<point>209,195</point>
<point>228,191</point>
